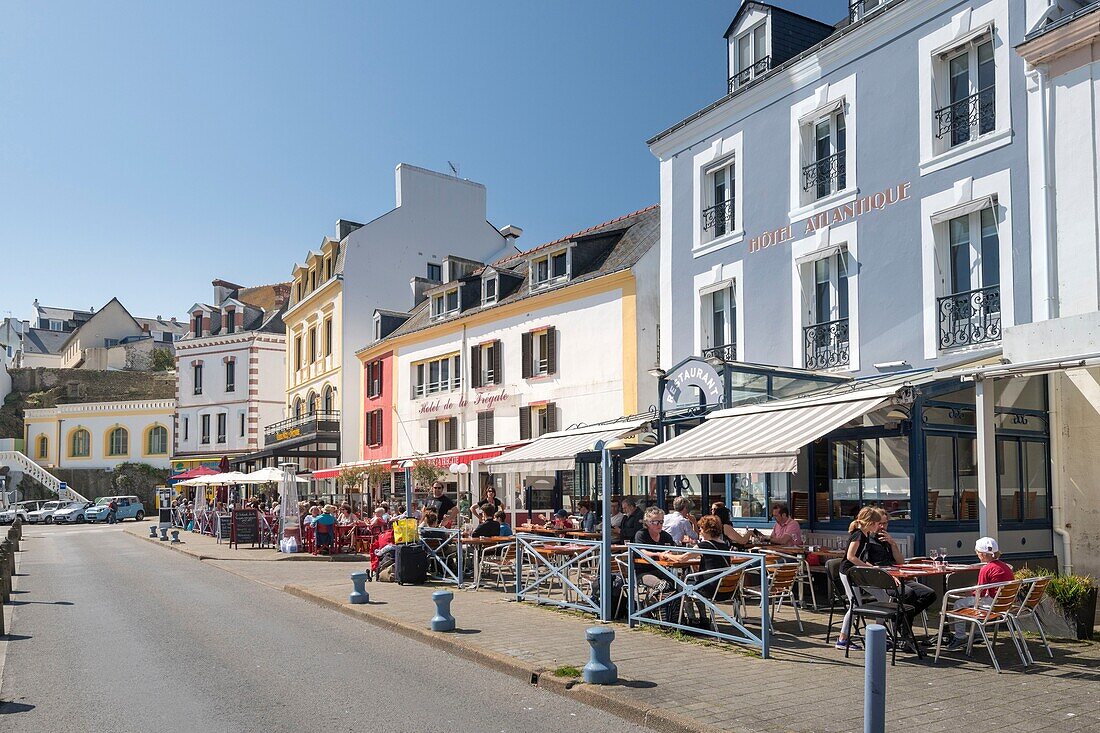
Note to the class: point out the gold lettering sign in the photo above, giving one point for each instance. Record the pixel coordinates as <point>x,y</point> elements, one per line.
<point>287,434</point>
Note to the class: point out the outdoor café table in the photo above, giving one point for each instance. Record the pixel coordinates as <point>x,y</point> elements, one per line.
<point>479,545</point>
<point>535,529</point>
<point>578,535</point>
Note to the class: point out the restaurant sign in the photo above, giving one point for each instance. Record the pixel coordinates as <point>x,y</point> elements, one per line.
<point>288,434</point>
<point>483,400</point>
<point>692,383</point>
<point>835,215</point>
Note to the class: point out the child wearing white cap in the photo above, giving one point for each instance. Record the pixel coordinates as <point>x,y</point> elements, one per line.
<point>994,570</point>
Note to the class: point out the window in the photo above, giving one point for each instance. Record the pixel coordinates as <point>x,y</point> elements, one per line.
<point>485,364</point>
<point>54,324</point>
<point>374,378</point>
<point>719,216</point>
<point>969,310</point>
<point>485,428</point>
<point>241,421</point>
<point>328,337</point>
<point>204,429</point>
<point>540,353</point>
<point>489,291</point>
<point>751,57</point>
<point>298,407</point>
<point>156,441</point>
<point>297,352</point>
<point>824,143</point>
<point>444,304</point>
<point>186,425</point>
<point>825,326</point>
<point>312,280</point>
<point>299,287</point>
<point>952,477</point>
<point>80,444</point>
<point>222,419</point>
<point>311,403</point>
<point>231,375</point>
<point>196,372</point>
<point>326,400</point>
<point>1023,479</point>
<point>435,272</point>
<point>118,442</point>
<point>866,471</point>
<point>437,375</point>
<point>549,269</point>
<point>43,450</point>
<point>328,268</point>
<point>442,434</point>
<point>377,326</point>
<point>536,420</point>
<point>719,337</point>
<point>970,76</point>
<point>312,345</point>
<point>373,425</point>
<point>754,494</point>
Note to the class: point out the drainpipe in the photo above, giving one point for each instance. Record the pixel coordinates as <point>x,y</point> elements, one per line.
<point>1061,528</point>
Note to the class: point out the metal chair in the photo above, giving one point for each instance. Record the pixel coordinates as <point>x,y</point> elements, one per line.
<point>781,578</point>
<point>498,560</point>
<point>981,619</point>
<point>727,588</point>
<point>893,613</point>
<point>1030,595</point>
<point>838,599</point>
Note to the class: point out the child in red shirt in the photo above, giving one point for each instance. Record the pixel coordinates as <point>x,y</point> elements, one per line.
<point>994,570</point>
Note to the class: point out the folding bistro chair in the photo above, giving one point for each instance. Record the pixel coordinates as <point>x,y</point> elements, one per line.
<point>727,588</point>
<point>499,560</point>
<point>781,579</point>
<point>838,599</point>
<point>1030,595</point>
<point>893,613</point>
<point>982,619</point>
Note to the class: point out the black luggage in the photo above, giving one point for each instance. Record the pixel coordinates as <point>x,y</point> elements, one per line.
<point>410,564</point>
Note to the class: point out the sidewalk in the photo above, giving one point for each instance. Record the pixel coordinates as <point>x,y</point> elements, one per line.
<point>681,685</point>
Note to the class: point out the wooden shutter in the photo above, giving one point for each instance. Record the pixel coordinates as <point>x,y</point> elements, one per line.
<point>551,417</point>
<point>452,433</point>
<point>485,428</point>
<point>551,350</point>
<point>378,427</point>
<point>526,370</point>
<point>378,376</point>
<point>433,436</point>
<point>475,366</point>
<point>367,423</point>
<point>525,423</point>
<point>498,371</point>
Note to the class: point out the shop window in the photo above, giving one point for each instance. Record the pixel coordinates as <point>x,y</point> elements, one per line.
<point>1023,479</point>
<point>952,462</point>
<point>862,472</point>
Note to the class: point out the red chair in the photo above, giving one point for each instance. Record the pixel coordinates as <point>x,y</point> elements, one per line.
<point>324,538</point>
<point>309,543</point>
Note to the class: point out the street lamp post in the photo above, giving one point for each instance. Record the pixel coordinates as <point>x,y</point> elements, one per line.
<point>605,448</point>
<point>662,380</point>
<point>407,465</point>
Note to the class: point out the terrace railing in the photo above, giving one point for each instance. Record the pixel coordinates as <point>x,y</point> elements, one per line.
<point>970,318</point>
<point>826,344</point>
<point>556,577</point>
<point>749,74</point>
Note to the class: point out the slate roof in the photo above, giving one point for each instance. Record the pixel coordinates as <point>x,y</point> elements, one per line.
<point>601,250</point>
<point>1057,22</point>
<point>42,341</point>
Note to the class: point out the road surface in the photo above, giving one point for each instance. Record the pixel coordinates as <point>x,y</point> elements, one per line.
<point>115,634</point>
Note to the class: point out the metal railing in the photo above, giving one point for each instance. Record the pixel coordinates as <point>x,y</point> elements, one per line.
<point>749,73</point>
<point>826,344</point>
<point>860,8</point>
<point>969,318</point>
<point>961,117</point>
<point>437,387</point>
<point>725,352</point>
<point>320,421</point>
<point>444,547</point>
<point>719,217</point>
<point>556,577</point>
<point>699,589</point>
<point>824,174</point>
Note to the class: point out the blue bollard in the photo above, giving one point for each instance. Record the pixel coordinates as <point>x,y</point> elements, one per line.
<point>443,620</point>
<point>175,536</point>
<point>153,532</point>
<point>163,534</point>
<point>600,670</point>
<point>874,680</point>
<point>359,592</point>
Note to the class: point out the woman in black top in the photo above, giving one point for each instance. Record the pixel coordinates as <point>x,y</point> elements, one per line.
<point>719,510</point>
<point>652,534</point>
<point>491,498</point>
<point>710,538</point>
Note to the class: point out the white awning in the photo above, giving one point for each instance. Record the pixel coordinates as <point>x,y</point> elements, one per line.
<point>968,207</point>
<point>755,439</point>
<point>558,451</point>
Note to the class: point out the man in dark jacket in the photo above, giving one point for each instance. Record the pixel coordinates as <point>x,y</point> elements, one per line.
<point>632,519</point>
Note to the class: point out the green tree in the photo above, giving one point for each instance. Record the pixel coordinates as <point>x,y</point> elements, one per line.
<point>163,361</point>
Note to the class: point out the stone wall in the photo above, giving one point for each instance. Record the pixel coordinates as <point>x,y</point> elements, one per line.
<point>81,385</point>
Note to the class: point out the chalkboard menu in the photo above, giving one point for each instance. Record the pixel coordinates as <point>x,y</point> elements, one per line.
<point>245,527</point>
<point>165,515</point>
<point>223,528</point>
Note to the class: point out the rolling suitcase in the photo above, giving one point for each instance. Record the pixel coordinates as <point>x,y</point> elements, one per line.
<point>410,564</point>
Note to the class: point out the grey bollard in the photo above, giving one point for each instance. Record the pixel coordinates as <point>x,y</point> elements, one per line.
<point>13,535</point>
<point>443,620</point>
<point>600,670</point>
<point>153,532</point>
<point>359,588</point>
<point>175,536</point>
<point>163,534</point>
<point>18,524</point>
<point>7,569</point>
<point>874,680</point>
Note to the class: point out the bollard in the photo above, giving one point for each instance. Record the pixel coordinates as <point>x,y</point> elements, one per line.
<point>443,620</point>
<point>600,670</point>
<point>153,532</point>
<point>163,534</point>
<point>359,585</point>
<point>18,524</point>
<point>7,569</point>
<point>874,680</point>
<point>13,535</point>
<point>175,536</point>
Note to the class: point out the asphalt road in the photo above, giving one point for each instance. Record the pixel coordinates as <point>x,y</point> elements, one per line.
<point>111,633</point>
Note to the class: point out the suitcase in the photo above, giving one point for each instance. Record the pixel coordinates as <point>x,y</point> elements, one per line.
<point>410,564</point>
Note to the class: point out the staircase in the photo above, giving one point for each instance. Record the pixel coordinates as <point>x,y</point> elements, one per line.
<point>15,459</point>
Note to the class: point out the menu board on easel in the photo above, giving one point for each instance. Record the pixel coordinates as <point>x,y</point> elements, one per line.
<point>244,527</point>
<point>223,527</point>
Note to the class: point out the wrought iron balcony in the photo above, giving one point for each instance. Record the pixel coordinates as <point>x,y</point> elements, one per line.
<point>859,8</point>
<point>720,218</point>
<point>962,117</point>
<point>297,427</point>
<point>750,73</point>
<point>826,344</point>
<point>824,173</point>
<point>970,318</point>
<point>726,353</point>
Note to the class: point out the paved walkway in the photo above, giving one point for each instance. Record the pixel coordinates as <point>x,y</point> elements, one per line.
<point>679,685</point>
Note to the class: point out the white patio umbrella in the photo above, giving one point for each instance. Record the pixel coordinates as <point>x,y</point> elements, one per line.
<point>269,475</point>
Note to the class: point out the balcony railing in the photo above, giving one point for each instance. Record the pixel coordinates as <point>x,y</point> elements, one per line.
<point>824,173</point>
<point>960,118</point>
<point>719,218</point>
<point>826,344</point>
<point>436,387</point>
<point>749,73</point>
<point>970,318</point>
<point>859,8</point>
<point>726,353</point>
<point>297,427</point>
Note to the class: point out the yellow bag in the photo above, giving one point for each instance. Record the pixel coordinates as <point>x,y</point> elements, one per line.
<point>405,531</point>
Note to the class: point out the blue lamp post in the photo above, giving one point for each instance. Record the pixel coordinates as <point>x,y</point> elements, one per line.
<point>605,448</point>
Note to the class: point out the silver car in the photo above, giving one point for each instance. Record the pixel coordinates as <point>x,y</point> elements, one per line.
<point>22,509</point>
<point>73,513</point>
<point>44,515</point>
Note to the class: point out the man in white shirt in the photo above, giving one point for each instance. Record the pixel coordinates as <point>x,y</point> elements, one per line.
<point>677,525</point>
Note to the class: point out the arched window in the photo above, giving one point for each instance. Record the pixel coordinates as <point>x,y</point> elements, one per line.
<point>327,399</point>
<point>80,443</point>
<point>298,407</point>
<point>311,403</point>
<point>43,447</point>
<point>118,442</point>
<point>156,441</point>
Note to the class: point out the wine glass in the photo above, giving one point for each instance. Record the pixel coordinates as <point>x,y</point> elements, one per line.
<point>942,553</point>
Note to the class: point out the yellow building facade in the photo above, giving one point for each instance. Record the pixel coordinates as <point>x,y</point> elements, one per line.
<point>313,326</point>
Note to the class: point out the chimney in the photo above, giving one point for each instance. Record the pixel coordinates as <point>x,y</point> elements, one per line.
<point>511,234</point>
<point>282,294</point>
<point>224,289</point>
<point>419,286</point>
<point>344,228</point>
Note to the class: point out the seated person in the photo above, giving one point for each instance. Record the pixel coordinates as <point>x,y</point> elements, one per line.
<point>710,538</point>
<point>561,520</point>
<point>653,534</point>
<point>324,527</point>
<point>505,528</point>
<point>309,519</point>
<point>785,531</point>
<point>616,517</point>
<point>678,523</point>
<point>632,520</point>
<point>345,517</point>
<point>382,554</point>
<point>379,518</point>
<point>489,526</point>
<point>994,570</point>
<point>720,510</point>
<point>588,517</point>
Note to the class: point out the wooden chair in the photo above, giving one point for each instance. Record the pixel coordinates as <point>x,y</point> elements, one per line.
<point>982,619</point>
<point>781,580</point>
<point>727,588</point>
<point>1030,594</point>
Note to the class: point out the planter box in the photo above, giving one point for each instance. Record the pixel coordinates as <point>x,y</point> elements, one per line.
<point>1058,624</point>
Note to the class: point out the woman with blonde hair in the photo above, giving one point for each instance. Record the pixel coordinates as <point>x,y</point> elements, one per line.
<point>859,534</point>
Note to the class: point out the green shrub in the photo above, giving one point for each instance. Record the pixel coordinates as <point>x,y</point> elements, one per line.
<point>1068,591</point>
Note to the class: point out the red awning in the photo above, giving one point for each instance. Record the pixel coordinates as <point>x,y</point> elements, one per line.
<point>194,473</point>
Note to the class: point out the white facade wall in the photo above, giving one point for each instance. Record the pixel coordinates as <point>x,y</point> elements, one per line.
<point>59,423</point>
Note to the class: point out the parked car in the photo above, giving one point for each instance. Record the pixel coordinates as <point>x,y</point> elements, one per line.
<point>23,509</point>
<point>129,507</point>
<point>44,514</point>
<point>71,514</point>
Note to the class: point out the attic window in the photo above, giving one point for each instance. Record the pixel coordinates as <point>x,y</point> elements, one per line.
<point>445,304</point>
<point>550,269</point>
<point>489,290</point>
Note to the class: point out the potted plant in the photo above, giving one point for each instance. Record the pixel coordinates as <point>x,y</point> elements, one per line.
<point>1071,599</point>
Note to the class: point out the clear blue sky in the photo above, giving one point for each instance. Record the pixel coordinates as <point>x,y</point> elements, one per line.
<point>147,148</point>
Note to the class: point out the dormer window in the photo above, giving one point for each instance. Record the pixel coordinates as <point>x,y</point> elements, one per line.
<point>445,304</point>
<point>435,272</point>
<point>549,269</point>
<point>196,324</point>
<point>751,59</point>
<point>489,290</point>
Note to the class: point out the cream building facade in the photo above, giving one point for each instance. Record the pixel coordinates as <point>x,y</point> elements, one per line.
<point>100,435</point>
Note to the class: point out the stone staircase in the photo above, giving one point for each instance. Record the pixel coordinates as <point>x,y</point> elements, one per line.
<point>18,461</point>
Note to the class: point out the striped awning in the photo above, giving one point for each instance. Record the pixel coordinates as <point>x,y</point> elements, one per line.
<point>558,451</point>
<point>755,439</point>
